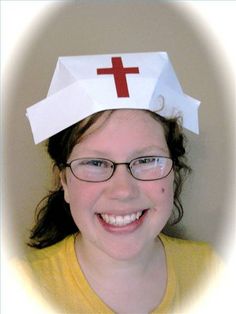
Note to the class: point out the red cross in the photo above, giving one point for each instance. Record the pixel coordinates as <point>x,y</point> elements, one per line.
<point>119,73</point>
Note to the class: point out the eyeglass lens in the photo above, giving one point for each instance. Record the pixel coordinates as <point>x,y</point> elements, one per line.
<point>143,168</point>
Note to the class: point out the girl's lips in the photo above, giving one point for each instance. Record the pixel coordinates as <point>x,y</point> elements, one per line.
<point>122,224</point>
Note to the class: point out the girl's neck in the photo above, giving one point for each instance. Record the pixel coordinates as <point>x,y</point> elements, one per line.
<point>136,285</point>
<point>97,263</point>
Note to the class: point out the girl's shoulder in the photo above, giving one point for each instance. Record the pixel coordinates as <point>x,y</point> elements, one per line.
<point>176,243</point>
<point>190,254</point>
<point>54,251</point>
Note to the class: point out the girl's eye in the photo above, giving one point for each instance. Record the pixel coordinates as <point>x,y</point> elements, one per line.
<point>96,163</point>
<point>146,160</point>
<point>149,162</point>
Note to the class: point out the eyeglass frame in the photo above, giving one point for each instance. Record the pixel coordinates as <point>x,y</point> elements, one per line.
<point>114,166</point>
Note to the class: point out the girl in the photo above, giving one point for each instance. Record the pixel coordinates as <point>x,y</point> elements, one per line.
<point>98,246</point>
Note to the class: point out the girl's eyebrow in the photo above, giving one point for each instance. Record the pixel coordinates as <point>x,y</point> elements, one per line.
<point>152,149</point>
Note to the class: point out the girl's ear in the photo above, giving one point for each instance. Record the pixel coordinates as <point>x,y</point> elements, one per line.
<point>64,185</point>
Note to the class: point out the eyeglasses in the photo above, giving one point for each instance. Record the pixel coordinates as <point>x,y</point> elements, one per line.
<point>147,168</point>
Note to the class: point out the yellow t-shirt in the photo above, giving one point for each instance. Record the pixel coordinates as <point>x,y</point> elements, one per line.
<point>64,284</point>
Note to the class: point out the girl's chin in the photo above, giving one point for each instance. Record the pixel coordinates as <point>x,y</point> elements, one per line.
<point>123,252</point>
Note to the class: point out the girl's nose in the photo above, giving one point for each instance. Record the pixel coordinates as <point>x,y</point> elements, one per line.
<point>122,185</point>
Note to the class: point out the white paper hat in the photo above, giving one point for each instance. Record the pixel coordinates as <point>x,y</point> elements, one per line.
<point>83,85</point>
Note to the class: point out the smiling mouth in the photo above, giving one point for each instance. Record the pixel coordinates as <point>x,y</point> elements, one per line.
<point>121,221</point>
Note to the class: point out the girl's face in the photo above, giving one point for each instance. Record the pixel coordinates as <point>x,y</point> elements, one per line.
<point>125,135</point>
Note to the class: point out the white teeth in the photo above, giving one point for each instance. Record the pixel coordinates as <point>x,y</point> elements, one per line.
<point>120,220</point>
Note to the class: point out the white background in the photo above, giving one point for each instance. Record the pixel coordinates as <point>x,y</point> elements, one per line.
<point>18,18</point>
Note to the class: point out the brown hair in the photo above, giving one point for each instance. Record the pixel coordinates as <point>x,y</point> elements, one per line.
<point>53,218</point>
